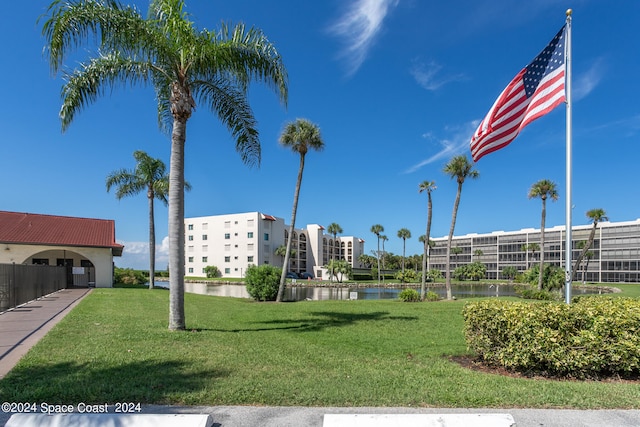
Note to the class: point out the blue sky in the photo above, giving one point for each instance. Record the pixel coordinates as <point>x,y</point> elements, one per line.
<point>397,88</point>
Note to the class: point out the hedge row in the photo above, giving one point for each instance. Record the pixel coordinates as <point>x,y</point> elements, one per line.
<point>593,337</point>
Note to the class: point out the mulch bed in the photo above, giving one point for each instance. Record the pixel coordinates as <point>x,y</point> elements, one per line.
<point>476,364</point>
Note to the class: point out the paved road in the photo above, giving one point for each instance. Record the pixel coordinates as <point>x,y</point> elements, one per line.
<point>22,327</point>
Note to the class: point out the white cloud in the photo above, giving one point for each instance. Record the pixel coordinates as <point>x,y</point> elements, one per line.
<point>427,75</point>
<point>136,255</point>
<point>585,83</point>
<point>359,27</point>
<point>457,143</point>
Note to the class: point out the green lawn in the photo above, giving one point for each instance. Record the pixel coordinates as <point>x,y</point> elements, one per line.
<point>115,346</point>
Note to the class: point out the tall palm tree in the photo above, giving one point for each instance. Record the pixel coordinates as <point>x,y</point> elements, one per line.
<point>383,238</point>
<point>404,234</point>
<point>543,189</point>
<point>427,187</point>
<point>334,229</point>
<point>377,229</point>
<point>595,215</point>
<point>183,65</point>
<point>301,136</point>
<point>533,247</point>
<point>149,174</point>
<point>459,168</point>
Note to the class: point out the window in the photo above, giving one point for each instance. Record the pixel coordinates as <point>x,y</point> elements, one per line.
<point>204,237</point>
<point>190,249</point>
<point>190,270</point>
<point>227,248</point>
<point>227,235</point>
<point>190,226</point>
<point>227,270</point>
<point>205,248</point>
<point>249,223</point>
<point>250,247</point>
<point>190,259</point>
<point>41,261</point>
<point>227,259</point>
<point>227,224</point>
<point>190,237</point>
<point>205,226</point>
<point>250,258</point>
<point>205,259</point>
<point>266,236</point>
<point>250,235</point>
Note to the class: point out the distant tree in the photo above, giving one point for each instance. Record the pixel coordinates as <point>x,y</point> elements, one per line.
<point>367,261</point>
<point>478,253</point>
<point>427,187</point>
<point>334,229</point>
<point>543,189</point>
<point>459,168</point>
<point>339,268</point>
<point>404,234</point>
<point>510,272</point>
<point>596,215</point>
<point>383,239</point>
<point>301,136</point>
<point>282,251</point>
<point>377,229</point>
<point>149,174</point>
<point>533,248</point>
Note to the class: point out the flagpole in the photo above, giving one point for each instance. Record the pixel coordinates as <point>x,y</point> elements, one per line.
<point>568,243</point>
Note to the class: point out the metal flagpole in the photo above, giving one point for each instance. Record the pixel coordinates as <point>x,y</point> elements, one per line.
<point>568,251</point>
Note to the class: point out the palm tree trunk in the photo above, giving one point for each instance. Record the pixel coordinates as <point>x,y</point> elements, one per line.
<point>378,257</point>
<point>176,226</point>
<point>586,248</point>
<point>285,267</point>
<point>453,226</point>
<point>541,269</point>
<point>152,242</point>
<point>426,249</point>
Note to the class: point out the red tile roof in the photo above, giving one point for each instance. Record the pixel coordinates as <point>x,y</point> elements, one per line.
<point>36,229</point>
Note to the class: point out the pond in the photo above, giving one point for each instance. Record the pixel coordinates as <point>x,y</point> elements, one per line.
<point>301,293</point>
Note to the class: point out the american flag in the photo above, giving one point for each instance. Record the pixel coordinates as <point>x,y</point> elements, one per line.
<point>535,91</point>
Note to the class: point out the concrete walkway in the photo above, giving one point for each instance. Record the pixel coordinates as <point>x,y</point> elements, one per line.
<point>22,327</point>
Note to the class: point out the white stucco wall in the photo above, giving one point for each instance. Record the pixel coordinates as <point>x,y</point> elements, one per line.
<point>101,258</point>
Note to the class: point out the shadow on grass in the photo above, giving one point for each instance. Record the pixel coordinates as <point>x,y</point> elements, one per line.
<point>143,382</point>
<point>321,320</point>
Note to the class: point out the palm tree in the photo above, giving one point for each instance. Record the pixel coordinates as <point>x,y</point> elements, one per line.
<point>427,187</point>
<point>301,136</point>
<point>595,215</point>
<point>334,229</point>
<point>543,189</point>
<point>459,168</point>
<point>383,239</point>
<point>183,65</point>
<point>377,229</point>
<point>149,174</point>
<point>404,234</point>
<point>533,247</point>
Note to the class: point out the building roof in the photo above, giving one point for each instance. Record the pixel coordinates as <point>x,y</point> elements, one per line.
<point>37,229</point>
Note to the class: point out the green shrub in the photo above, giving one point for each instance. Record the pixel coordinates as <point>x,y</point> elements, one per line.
<point>407,277</point>
<point>532,292</point>
<point>431,296</point>
<point>591,338</point>
<point>262,282</point>
<point>129,276</point>
<point>409,295</point>
<point>212,271</point>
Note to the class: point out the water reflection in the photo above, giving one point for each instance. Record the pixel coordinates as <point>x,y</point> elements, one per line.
<point>300,293</point>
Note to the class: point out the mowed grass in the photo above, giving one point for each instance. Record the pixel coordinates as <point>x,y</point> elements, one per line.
<point>115,347</point>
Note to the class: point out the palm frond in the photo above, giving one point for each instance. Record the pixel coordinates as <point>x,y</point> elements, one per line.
<point>233,109</point>
<point>91,80</point>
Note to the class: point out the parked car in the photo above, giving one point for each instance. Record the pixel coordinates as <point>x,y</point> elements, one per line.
<point>292,275</point>
<point>306,276</point>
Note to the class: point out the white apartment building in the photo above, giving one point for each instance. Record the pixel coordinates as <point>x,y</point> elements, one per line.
<point>233,242</point>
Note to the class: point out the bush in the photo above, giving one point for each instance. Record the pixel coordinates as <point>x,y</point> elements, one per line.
<point>408,276</point>
<point>212,271</point>
<point>532,292</point>
<point>129,276</point>
<point>431,296</point>
<point>262,282</point>
<point>409,295</point>
<point>592,338</point>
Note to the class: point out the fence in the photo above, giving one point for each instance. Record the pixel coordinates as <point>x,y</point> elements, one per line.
<point>21,283</point>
